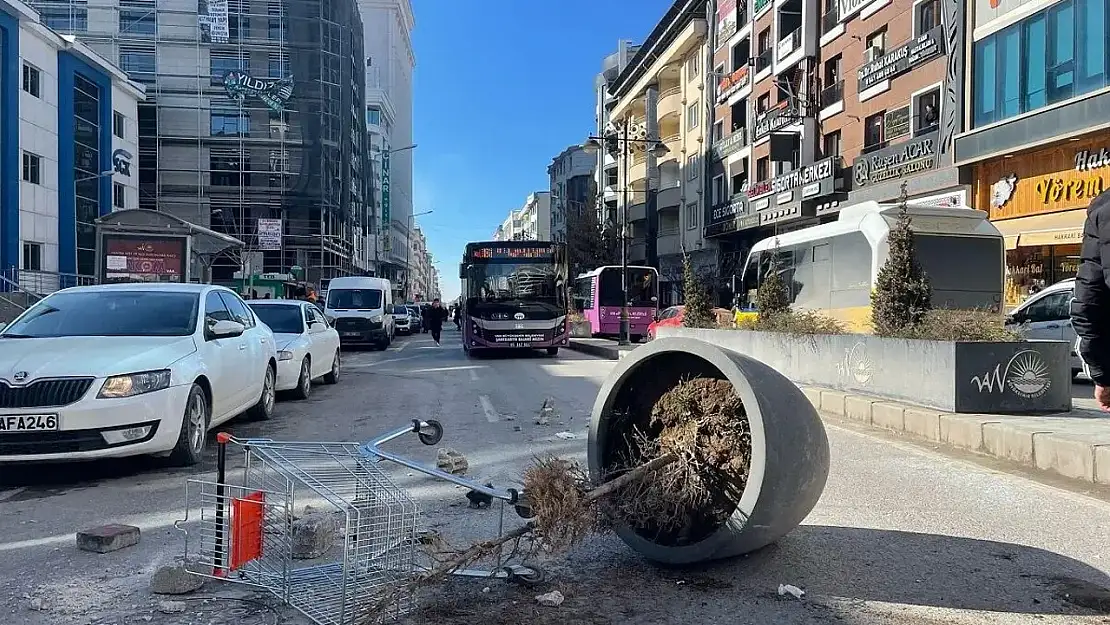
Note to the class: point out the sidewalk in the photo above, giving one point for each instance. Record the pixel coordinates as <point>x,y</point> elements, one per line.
<point>1073,444</point>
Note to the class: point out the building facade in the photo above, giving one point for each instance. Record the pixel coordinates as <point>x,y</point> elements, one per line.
<point>572,189</point>
<point>605,172</point>
<point>420,260</point>
<point>253,123</point>
<point>387,34</point>
<point>531,222</point>
<point>68,151</point>
<point>1037,147</point>
<point>661,97</point>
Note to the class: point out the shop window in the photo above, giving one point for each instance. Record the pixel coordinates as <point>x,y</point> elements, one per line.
<point>739,115</point>
<point>873,132</point>
<point>739,182</point>
<point>32,256</point>
<point>718,189</point>
<point>830,144</point>
<point>763,169</point>
<point>926,16</point>
<point>762,104</point>
<point>926,116</point>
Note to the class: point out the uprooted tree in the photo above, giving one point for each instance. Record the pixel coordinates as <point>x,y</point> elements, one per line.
<point>902,295</point>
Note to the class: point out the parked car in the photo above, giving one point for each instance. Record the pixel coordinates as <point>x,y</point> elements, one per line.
<point>131,369</point>
<point>402,319</point>
<point>308,347</point>
<point>1046,316</point>
<point>415,319</point>
<point>673,316</point>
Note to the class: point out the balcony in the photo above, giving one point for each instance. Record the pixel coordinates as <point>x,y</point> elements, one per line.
<point>668,243</point>
<point>832,94</point>
<point>763,61</point>
<point>831,18</point>
<point>790,43</point>
<point>670,197</point>
<point>760,5</point>
<point>637,252</point>
<point>637,212</point>
<point>638,168</point>
<point>730,144</point>
<point>670,102</point>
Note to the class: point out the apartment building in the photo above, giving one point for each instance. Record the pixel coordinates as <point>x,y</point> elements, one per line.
<point>531,222</point>
<point>68,150</point>
<point>572,189</point>
<point>605,172</point>
<point>661,99</point>
<point>1037,144</point>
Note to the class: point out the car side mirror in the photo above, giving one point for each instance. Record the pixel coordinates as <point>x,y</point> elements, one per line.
<point>225,329</point>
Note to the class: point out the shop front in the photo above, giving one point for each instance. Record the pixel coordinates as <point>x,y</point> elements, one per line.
<point>917,163</point>
<point>1038,200</point>
<point>796,199</point>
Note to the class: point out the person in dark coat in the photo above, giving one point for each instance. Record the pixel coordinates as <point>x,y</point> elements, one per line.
<point>424,317</point>
<point>1090,310</point>
<point>437,314</point>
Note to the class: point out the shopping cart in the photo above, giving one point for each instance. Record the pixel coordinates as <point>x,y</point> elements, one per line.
<point>352,554</point>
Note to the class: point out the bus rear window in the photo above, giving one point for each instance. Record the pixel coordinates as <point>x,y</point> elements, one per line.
<point>964,272</point>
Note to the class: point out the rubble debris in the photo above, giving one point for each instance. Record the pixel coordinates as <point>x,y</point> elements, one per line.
<point>547,412</point>
<point>174,580</point>
<point>480,500</point>
<point>313,536</point>
<point>37,604</point>
<point>566,436</point>
<point>792,590</point>
<point>451,461</point>
<point>171,607</point>
<point>552,599</point>
<point>108,538</point>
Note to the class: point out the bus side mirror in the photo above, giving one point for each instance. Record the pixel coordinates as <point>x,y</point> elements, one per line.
<point>462,272</point>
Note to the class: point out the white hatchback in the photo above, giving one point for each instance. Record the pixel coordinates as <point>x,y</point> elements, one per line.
<point>131,369</point>
<point>308,347</point>
<point>1046,316</point>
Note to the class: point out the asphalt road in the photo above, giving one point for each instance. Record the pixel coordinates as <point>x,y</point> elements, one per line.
<point>903,534</point>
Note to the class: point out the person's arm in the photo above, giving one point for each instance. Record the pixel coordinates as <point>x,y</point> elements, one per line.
<point>1090,310</point>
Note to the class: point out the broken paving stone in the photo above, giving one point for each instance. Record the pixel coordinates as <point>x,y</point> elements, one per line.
<point>313,536</point>
<point>107,538</point>
<point>171,607</point>
<point>37,604</point>
<point>552,599</point>
<point>792,590</point>
<point>175,580</point>
<point>451,461</point>
<point>566,436</point>
<point>547,412</point>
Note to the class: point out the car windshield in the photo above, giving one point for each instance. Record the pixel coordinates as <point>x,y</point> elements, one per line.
<point>362,299</point>
<point>281,319</point>
<point>413,310</point>
<point>109,313</point>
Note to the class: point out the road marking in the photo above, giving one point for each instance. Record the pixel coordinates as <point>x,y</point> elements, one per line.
<point>403,346</point>
<point>487,407</point>
<point>6,495</point>
<point>376,363</point>
<point>473,375</point>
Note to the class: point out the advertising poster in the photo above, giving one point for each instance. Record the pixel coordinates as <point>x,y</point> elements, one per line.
<point>269,235</point>
<point>143,259</point>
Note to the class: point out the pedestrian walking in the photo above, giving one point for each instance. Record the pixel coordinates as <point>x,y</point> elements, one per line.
<point>424,317</point>
<point>437,314</point>
<point>1090,310</point>
<point>456,313</point>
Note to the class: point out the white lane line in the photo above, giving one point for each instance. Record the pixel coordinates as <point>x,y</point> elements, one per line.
<point>473,375</point>
<point>403,346</point>
<point>6,495</point>
<point>487,407</point>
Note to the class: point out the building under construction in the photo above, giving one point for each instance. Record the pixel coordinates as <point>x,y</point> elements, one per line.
<point>253,123</point>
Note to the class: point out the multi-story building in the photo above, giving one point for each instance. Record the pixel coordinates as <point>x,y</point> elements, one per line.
<point>254,111</point>
<point>68,152</point>
<point>531,222</point>
<point>572,187</point>
<point>420,261</point>
<point>605,171</point>
<point>1037,147</point>
<point>660,97</point>
<point>387,34</point>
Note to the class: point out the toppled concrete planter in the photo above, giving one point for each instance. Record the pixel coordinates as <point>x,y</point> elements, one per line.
<point>581,329</point>
<point>790,451</point>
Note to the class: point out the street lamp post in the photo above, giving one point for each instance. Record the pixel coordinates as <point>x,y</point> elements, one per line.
<point>657,148</point>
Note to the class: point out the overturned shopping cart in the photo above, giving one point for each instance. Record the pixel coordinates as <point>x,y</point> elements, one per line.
<point>323,528</point>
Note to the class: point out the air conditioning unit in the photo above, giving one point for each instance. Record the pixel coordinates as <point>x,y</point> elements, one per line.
<point>873,53</point>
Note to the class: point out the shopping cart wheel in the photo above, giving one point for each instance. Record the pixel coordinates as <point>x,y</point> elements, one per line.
<point>433,437</point>
<point>528,575</point>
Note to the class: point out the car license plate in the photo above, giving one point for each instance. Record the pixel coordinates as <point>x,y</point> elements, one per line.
<point>348,334</point>
<point>28,423</point>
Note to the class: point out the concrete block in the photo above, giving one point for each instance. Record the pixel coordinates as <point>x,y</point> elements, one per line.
<point>107,538</point>
<point>174,580</point>
<point>1070,457</point>
<point>1005,441</point>
<point>313,536</point>
<point>1102,464</point>
<point>858,408</point>
<point>813,394</point>
<point>922,422</point>
<point>832,402</point>
<point>963,431</point>
<point>888,415</point>
<point>451,461</point>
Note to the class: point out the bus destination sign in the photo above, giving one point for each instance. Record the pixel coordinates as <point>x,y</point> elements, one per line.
<point>495,252</point>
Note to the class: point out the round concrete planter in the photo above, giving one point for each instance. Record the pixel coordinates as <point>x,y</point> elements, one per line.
<point>790,450</point>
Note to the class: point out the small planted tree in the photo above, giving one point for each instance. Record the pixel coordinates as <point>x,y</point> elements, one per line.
<point>699,312</point>
<point>772,296</point>
<point>902,295</point>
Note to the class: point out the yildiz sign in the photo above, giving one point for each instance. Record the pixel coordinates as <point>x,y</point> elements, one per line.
<point>274,92</point>
<point>899,160</point>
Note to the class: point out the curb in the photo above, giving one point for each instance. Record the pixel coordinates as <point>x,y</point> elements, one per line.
<point>601,351</point>
<point>1029,441</point>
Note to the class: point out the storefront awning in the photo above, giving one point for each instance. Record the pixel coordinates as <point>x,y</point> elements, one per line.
<point>1063,228</point>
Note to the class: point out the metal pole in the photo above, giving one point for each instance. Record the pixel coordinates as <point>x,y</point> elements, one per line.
<point>624,339</point>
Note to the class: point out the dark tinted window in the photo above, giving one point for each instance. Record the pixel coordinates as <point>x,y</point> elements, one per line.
<point>642,286</point>
<point>214,308</point>
<point>355,298</point>
<point>110,313</point>
<point>282,319</point>
<point>237,309</point>
<point>964,272</point>
<point>851,256</point>
<point>1053,307</point>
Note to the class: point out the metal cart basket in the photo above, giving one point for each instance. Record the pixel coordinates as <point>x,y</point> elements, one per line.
<point>323,528</point>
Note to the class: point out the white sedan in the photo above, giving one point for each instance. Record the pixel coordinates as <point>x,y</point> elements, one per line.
<point>308,348</point>
<point>131,369</point>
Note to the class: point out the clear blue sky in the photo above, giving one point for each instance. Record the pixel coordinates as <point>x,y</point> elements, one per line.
<point>501,87</point>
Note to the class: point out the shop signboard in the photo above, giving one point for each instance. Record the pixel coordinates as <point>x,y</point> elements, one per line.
<point>897,161</point>
<point>896,123</point>
<point>730,216</point>
<point>387,224</point>
<point>732,83</point>
<point>805,185</point>
<point>848,8</point>
<point>274,92</point>
<point>130,258</point>
<point>726,20</point>
<point>782,115</point>
<point>918,51</point>
<point>1045,181</point>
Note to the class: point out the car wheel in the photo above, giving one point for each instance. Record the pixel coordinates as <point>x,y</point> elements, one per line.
<point>552,351</point>
<point>194,430</point>
<point>264,409</point>
<point>304,382</point>
<point>332,376</point>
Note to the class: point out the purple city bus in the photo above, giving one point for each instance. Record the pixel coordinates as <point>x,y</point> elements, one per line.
<point>514,295</point>
<point>598,297</point>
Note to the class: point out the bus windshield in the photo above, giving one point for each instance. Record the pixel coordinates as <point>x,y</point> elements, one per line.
<point>512,283</point>
<point>643,288</point>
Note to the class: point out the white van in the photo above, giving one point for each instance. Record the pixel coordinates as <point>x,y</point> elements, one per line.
<point>361,309</point>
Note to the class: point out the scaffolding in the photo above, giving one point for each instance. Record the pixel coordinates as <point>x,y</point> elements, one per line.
<point>222,156</point>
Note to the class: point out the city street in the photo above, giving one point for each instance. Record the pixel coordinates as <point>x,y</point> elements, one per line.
<point>903,534</point>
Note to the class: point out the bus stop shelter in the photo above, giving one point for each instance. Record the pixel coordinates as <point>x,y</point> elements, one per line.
<point>140,245</point>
